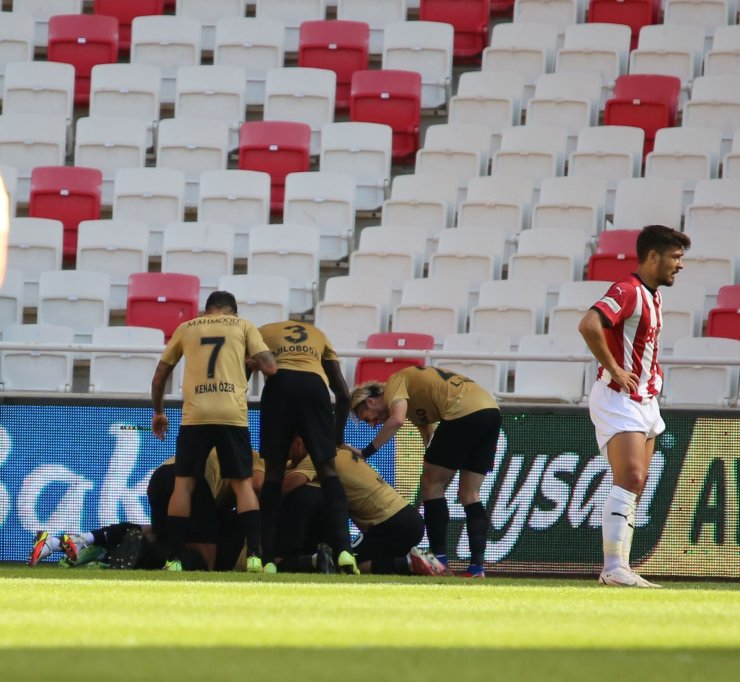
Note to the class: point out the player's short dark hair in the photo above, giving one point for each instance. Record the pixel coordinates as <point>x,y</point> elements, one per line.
<point>660,238</point>
<point>222,300</point>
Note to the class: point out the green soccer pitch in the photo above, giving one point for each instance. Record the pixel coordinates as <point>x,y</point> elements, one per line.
<point>82,625</point>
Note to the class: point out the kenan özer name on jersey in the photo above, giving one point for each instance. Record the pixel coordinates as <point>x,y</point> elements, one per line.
<point>214,387</point>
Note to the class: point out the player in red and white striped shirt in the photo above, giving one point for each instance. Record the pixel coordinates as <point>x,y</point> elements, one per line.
<point>621,330</point>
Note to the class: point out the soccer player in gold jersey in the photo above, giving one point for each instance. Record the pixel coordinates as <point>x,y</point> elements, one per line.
<point>216,347</point>
<point>390,527</point>
<point>296,401</point>
<point>459,422</point>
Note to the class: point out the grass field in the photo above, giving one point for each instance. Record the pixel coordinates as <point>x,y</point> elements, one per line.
<point>85,625</point>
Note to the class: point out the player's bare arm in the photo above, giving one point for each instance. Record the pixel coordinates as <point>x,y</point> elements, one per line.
<point>264,362</point>
<point>342,402</point>
<point>395,420</point>
<point>159,381</point>
<point>591,329</point>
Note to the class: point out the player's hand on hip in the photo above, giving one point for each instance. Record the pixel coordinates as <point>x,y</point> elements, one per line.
<point>627,380</point>
<point>159,424</point>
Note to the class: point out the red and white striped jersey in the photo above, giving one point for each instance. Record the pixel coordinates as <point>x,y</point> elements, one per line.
<point>635,314</point>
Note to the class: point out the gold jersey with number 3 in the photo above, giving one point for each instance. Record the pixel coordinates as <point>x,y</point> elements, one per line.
<point>298,346</point>
<point>434,393</point>
<point>215,347</point>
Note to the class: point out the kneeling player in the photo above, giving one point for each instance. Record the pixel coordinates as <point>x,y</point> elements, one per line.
<point>391,527</point>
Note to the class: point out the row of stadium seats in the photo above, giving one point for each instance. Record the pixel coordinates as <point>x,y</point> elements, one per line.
<point>496,220</point>
<point>529,48</point>
<point>208,13</point>
<point>168,42</point>
<point>685,160</point>
<point>366,304</point>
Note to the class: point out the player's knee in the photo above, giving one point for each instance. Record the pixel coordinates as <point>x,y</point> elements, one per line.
<point>467,497</point>
<point>633,480</point>
<point>432,487</point>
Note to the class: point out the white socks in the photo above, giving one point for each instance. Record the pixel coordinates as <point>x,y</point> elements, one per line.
<point>617,527</point>
<point>89,538</point>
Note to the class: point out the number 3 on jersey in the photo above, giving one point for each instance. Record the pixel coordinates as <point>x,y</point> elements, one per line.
<point>217,342</point>
<point>299,335</point>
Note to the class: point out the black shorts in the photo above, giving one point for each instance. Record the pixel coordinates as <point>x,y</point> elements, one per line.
<point>467,443</point>
<point>203,526</point>
<point>295,402</point>
<point>232,445</point>
<point>392,538</point>
<point>301,524</point>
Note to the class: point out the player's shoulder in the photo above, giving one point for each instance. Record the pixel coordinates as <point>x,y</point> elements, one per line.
<point>623,288</point>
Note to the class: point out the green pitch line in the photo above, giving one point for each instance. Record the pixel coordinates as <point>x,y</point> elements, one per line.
<point>146,625</point>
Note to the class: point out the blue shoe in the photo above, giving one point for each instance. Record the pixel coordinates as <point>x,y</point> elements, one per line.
<point>474,571</point>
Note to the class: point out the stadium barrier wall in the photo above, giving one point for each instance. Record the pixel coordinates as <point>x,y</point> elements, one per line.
<point>73,463</point>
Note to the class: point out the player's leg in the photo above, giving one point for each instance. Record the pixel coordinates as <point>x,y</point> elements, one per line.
<point>441,460</point>
<point>477,435</point>
<point>235,459</point>
<point>85,547</point>
<point>622,429</point>
<point>193,445</point>
<point>434,482</point>
<point>626,453</point>
<point>316,427</point>
<point>476,520</point>
<point>276,433</point>
<point>388,548</point>
<point>300,547</point>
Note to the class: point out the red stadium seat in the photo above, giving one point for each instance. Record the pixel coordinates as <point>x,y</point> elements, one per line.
<point>632,13</point>
<point>469,18</point>
<point>277,148</point>
<point>379,369</point>
<point>724,319</point>
<point>339,46</point>
<point>644,101</point>
<point>83,40</point>
<point>161,300</point>
<point>126,12</point>
<point>501,6</point>
<point>67,193</point>
<point>392,97</point>
<point>615,255</point>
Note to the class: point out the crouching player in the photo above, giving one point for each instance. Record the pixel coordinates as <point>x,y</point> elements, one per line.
<point>391,527</point>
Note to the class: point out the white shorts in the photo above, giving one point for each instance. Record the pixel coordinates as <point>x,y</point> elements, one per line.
<point>614,413</point>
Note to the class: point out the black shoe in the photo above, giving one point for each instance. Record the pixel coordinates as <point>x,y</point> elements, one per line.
<point>324,559</point>
<point>127,554</point>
